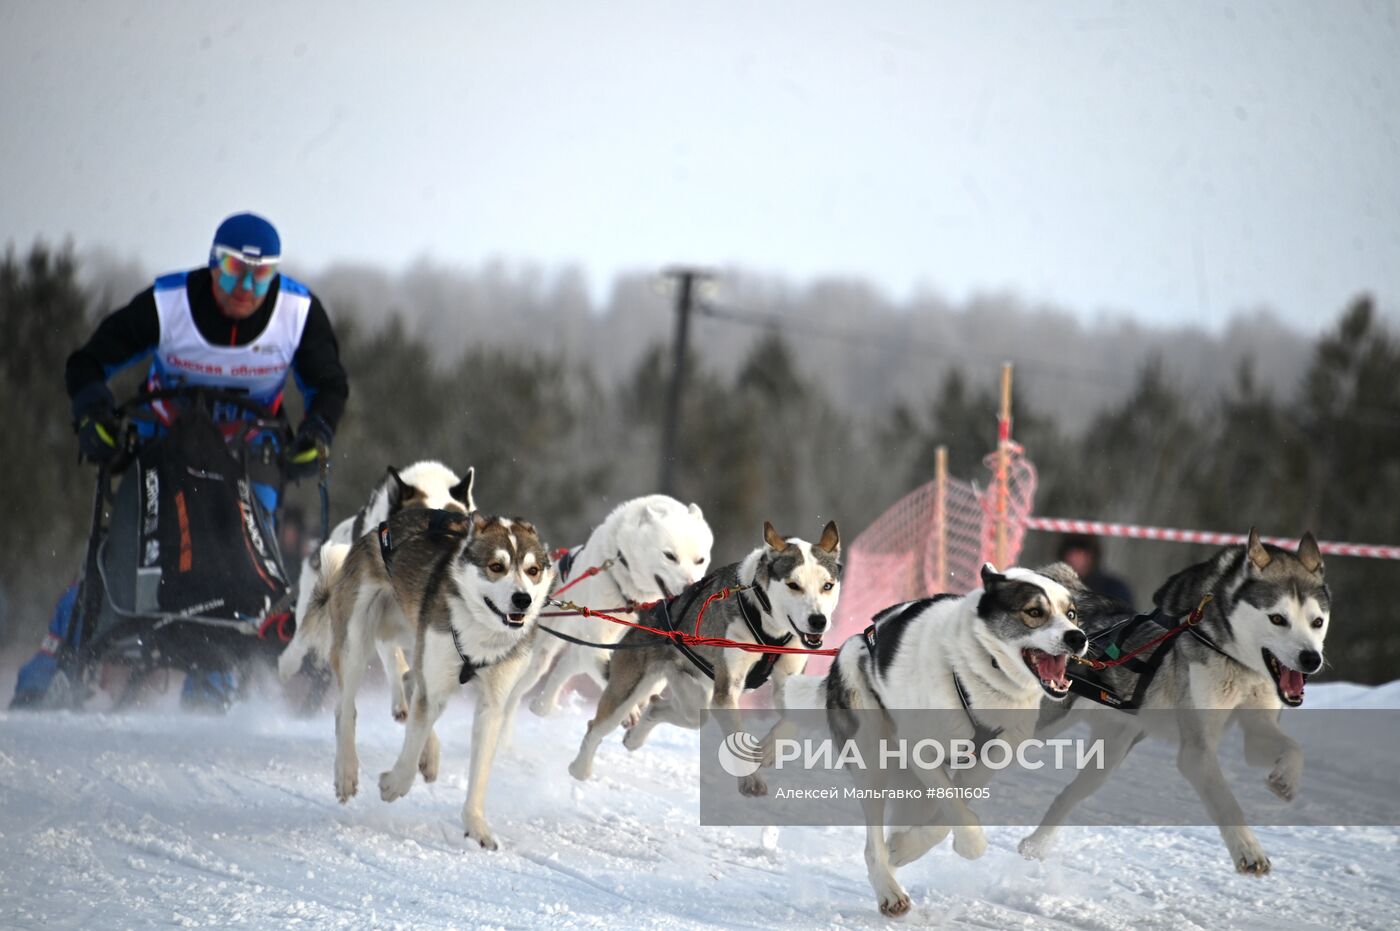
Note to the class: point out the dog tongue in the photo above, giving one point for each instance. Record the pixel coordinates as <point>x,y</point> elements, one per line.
<point>1291,681</point>
<point>1050,667</point>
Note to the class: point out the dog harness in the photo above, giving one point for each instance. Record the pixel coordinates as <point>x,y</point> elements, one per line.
<point>442,526</point>
<point>761,671</point>
<point>1113,642</point>
<point>981,733</point>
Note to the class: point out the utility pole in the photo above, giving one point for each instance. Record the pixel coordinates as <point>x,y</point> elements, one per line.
<point>686,281</point>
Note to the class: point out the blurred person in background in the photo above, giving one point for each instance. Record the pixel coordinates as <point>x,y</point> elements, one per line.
<point>1084,556</point>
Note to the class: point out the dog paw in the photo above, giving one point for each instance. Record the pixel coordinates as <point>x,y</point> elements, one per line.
<point>429,758</point>
<point>347,782</point>
<point>909,844</point>
<point>541,707</point>
<point>400,713</point>
<point>633,718</point>
<point>581,769</point>
<point>1253,864</point>
<point>894,901</point>
<point>1283,782</point>
<point>752,786</point>
<point>477,830</point>
<point>1249,857</point>
<point>1033,848</point>
<point>969,842</point>
<point>392,785</point>
<point>634,738</point>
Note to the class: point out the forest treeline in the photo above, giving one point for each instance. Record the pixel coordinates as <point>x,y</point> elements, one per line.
<point>560,430</point>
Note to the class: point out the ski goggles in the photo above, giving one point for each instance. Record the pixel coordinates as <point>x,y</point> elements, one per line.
<point>253,272</point>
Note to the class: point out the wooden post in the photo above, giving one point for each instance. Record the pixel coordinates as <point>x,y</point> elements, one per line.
<point>1003,476</point>
<point>940,520</point>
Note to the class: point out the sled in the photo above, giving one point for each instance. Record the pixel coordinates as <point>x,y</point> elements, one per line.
<point>182,569</point>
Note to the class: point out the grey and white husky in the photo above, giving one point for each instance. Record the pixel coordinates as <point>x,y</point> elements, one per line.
<point>1000,648</point>
<point>1256,642</point>
<point>425,484</point>
<point>461,593</point>
<point>792,588</point>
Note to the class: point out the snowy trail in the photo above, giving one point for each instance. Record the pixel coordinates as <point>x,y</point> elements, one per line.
<point>156,818</point>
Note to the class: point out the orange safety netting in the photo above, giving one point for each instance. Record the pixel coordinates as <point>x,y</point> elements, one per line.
<point>896,558</point>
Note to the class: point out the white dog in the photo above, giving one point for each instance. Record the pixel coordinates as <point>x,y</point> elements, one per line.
<point>647,549</point>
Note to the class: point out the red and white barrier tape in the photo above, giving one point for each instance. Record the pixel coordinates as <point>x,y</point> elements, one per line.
<point>1137,532</point>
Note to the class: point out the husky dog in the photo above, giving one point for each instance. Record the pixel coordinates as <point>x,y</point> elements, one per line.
<point>791,590</point>
<point>462,592</point>
<point>425,484</point>
<point>1253,648</point>
<point>1001,648</point>
<point>653,547</point>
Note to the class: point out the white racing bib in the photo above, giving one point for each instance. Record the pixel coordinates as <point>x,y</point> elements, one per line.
<point>185,357</point>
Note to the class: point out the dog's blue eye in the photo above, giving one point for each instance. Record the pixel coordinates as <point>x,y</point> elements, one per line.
<point>1278,620</point>
<point>1034,612</point>
<point>1317,622</point>
<point>828,587</point>
<point>1070,614</point>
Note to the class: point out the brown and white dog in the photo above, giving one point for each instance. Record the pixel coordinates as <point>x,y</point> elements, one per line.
<point>461,593</point>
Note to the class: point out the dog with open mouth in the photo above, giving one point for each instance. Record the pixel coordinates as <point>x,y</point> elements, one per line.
<point>782,594</point>
<point>460,594</point>
<point>1259,616</point>
<point>1001,648</point>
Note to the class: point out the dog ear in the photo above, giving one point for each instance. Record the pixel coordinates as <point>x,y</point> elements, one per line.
<point>695,511</point>
<point>401,490</point>
<point>653,513</point>
<point>990,576</point>
<point>462,491</point>
<point>525,526</point>
<point>1258,556</point>
<point>479,521</point>
<point>1308,553</point>
<point>770,536</point>
<point>831,540</point>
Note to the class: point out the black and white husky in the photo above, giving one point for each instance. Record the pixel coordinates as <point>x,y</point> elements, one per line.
<point>791,590</point>
<point>1256,642</point>
<point>425,484</point>
<point>461,594</point>
<point>1001,648</point>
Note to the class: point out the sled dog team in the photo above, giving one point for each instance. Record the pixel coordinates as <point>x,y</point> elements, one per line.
<point>446,596</point>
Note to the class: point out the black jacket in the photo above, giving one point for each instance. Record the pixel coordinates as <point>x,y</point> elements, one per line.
<point>127,336</point>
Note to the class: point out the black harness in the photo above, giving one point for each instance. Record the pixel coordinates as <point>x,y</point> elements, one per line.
<point>1112,642</point>
<point>981,733</point>
<point>565,563</point>
<point>761,671</point>
<point>442,525</point>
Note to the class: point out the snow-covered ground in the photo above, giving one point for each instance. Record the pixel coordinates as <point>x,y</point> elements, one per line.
<point>155,818</point>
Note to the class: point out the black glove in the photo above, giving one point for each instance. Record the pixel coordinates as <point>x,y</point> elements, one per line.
<point>312,441</point>
<point>95,419</point>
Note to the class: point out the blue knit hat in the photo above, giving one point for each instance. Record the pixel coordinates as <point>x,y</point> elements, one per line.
<point>248,234</point>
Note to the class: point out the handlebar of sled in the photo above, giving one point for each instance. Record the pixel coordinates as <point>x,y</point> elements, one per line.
<point>137,409</point>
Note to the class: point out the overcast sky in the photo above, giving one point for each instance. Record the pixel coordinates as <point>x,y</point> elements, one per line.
<point>1160,160</point>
